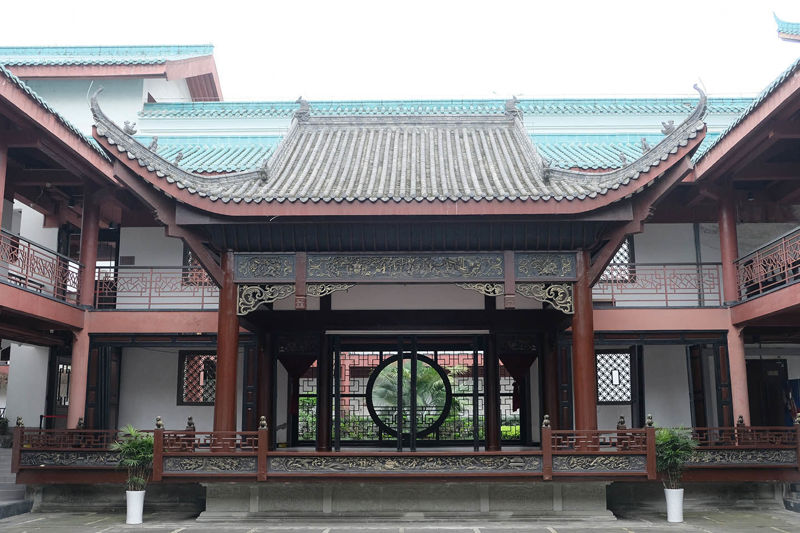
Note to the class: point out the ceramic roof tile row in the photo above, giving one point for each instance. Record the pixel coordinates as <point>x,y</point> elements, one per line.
<point>217,155</point>
<point>44,105</point>
<point>99,55</point>
<point>757,101</point>
<point>401,159</point>
<point>788,28</point>
<point>623,106</point>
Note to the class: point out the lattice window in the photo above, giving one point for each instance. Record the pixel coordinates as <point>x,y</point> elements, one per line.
<point>620,269</point>
<point>194,274</point>
<point>197,378</point>
<point>614,377</point>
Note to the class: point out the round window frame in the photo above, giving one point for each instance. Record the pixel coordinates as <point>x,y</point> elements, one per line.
<point>420,358</point>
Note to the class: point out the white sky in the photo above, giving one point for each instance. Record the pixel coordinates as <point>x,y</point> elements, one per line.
<point>353,50</point>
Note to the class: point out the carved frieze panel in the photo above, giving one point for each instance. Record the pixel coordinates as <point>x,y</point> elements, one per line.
<point>323,289</point>
<point>746,457</point>
<point>266,268</point>
<point>406,464</point>
<point>406,267</point>
<point>65,458</point>
<point>213,464</point>
<point>600,463</point>
<point>251,297</point>
<point>545,266</point>
<point>299,343</point>
<point>559,295</point>
<point>516,343</point>
<point>487,289</point>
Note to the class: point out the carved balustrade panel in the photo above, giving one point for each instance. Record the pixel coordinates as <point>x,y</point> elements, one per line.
<point>743,436</point>
<point>34,267</point>
<point>661,285</point>
<point>404,464</point>
<point>628,440</point>
<point>187,287</point>
<point>210,442</point>
<point>54,439</point>
<point>772,266</point>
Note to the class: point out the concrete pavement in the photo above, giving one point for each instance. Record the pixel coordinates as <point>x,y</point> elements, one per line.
<point>713,521</point>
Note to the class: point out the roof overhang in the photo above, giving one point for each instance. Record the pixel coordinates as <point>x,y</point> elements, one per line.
<point>56,137</point>
<point>200,73</point>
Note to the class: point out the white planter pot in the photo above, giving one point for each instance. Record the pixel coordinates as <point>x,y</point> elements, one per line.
<point>674,504</point>
<point>135,501</point>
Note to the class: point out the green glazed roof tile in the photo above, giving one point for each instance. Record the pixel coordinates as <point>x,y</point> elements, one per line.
<point>41,102</point>
<point>788,28</point>
<point>98,55</point>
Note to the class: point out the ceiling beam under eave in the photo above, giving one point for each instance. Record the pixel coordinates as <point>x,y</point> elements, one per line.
<point>643,206</point>
<point>737,145</point>
<point>769,172</point>
<point>164,211</point>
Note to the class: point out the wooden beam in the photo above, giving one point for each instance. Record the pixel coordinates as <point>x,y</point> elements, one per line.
<point>164,211</point>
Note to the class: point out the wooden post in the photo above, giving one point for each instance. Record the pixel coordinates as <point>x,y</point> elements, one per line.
<point>550,379</point>
<point>547,451</point>
<point>263,447</point>
<point>90,233</point>
<point>266,382</point>
<point>584,369</point>
<point>650,433</point>
<point>491,401</point>
<point>227,349</point>
<point>158,454</point>
<point>3,171</point>
<point>324,373</point>
<point>728,246</point>
<point>78,378</point>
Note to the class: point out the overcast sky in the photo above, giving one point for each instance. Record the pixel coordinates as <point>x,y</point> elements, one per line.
<point>352,50</point>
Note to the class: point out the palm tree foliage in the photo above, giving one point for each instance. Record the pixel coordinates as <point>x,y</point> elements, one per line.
<point>674,448</point>
<point>135,450</point>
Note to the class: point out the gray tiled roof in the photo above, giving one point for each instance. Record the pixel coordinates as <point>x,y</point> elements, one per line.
<point>402,158</point>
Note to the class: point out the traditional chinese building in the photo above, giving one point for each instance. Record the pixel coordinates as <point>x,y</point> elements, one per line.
<point>505,295</point>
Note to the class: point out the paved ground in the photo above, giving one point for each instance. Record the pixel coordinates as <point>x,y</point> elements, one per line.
<point>704,522</point>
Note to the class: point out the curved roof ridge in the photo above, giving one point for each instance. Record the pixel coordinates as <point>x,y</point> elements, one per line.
<point>396,157</point>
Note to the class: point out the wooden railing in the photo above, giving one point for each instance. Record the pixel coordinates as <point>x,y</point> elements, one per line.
<point>660,285</point>
<point>33,267</point>
<point>772,266</point>
<point>614,454</point>
<point>149,288</point>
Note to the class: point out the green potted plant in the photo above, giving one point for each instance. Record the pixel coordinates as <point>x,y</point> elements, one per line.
<point>674,448</point>
<point>135,450</point>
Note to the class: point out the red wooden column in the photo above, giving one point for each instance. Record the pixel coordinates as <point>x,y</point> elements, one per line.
<point>324,393</point>
<point>266,382</point>
<point>3,170</point>
<point>550,380</point>
<point>227,349</point>
<point>729,252</point>
<point>491,401</point>
<point>584,365</point>
<point>90,230</point>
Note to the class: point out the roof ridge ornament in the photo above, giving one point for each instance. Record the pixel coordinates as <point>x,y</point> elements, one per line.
<point>511,108</point>
<point>668,127</point>
<point>303,113</point>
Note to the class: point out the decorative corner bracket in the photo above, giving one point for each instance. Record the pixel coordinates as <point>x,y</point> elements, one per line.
<point>487,289</point>
<point>559,295</point>
<point>323,289</point>
<point>251,297</point>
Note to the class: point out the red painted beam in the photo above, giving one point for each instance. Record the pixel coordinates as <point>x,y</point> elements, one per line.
<point>779,301</point>
<point>636,319</point>
<point>155,322</point>
<point>25,303</point>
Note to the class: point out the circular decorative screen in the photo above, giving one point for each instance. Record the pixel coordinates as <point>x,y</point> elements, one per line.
<point>431,388</point>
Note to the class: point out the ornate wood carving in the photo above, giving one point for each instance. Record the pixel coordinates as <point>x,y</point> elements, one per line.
<point>264,267</point>
<point>323,289</point>
<point>559,295</point>
<point>487,289</point>
<point>251,297</point>
<point>67,458</point>
<point>543,266</point>
<point>405,464</point>
<point>213,464</point>
<point>406,267</point>
<point>745,457</point>
<point>600,463</point>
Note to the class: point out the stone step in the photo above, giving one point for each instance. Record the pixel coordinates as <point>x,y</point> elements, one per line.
<point>10,495</point>
<point>8,509</point>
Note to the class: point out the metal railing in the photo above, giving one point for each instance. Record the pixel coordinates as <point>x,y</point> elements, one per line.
<point>153,288</point>
<point>772,266</point>
<point>38,269</point>
<point>660,285</point>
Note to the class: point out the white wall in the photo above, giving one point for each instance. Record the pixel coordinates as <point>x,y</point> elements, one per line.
<point>665,243</point>
<point>281,408</point>
<point>121,99</point>
<point>410,296</point>
<point>31,227</point>
<point>27,383</point>
<point>150,247</point>
<point>666,385</point>
<point>149,388</point>
<point>166,91</point>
